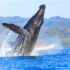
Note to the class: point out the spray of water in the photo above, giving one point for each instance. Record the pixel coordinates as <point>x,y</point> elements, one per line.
<point>52,47</point>
<point>6,49</point>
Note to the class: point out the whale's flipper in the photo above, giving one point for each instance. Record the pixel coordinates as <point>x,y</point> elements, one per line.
<point>15,28</point>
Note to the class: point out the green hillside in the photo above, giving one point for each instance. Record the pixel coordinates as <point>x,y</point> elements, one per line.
<point>52,27</point>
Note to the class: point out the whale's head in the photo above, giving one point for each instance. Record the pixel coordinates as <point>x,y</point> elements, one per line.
<point>37,20</point>
<point>42,6</point>
<point>41,10</point>
<point>40,16</point>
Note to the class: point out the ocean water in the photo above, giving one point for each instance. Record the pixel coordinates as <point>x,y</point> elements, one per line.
<point>60,61</point>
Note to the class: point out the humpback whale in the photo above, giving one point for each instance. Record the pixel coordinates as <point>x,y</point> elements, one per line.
<point>28,34</point>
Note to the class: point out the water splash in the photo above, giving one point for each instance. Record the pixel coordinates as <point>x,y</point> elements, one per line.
<point>6,49</point>
<point>52,47</point>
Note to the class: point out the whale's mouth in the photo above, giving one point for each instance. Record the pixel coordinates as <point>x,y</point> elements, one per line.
<point>41,10</point>
<point>42,6</point>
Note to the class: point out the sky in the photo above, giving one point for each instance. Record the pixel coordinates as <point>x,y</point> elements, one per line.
<point>27,8</point>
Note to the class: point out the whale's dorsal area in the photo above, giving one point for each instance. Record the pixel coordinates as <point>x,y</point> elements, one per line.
<point>28,34</point>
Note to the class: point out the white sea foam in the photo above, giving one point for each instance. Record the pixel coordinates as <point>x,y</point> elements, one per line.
<point>53,46</point>
<point>5,49</point>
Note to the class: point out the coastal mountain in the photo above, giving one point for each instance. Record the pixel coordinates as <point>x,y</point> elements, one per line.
<point>52,27</point>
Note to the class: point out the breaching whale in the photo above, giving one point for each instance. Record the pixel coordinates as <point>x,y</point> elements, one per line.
<point>28,34</point>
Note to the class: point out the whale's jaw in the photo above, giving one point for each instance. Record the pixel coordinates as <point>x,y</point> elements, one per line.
<point>27,35</point>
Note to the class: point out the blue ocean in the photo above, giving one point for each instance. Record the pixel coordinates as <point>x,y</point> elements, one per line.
<point>60,61</point>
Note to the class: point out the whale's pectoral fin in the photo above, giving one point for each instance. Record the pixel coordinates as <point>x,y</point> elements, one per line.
<point>15,28</point>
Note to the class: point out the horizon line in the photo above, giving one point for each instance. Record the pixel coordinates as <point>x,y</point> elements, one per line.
<point>30,17</point>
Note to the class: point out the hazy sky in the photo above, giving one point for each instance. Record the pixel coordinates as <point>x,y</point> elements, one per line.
<point>26,8</point>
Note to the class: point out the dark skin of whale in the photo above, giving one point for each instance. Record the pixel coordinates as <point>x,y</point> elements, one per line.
<point>28,34</point>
